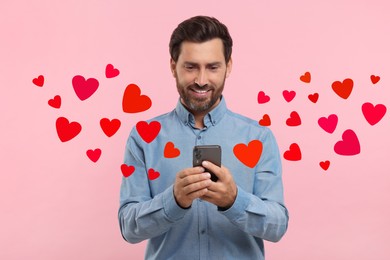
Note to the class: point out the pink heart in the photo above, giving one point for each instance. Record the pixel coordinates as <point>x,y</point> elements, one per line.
<point>373,114</point>
<point>349,145</point>
<point>328,124</point>
<point>84,88</point>
<point>289,95</point>
<point>111,72</point>
<point>262,98</point>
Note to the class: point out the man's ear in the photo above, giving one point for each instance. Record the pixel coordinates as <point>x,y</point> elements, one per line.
<point>229,66</point>
<point>173,67</point>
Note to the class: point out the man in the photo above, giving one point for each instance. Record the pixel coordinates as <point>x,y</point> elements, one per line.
<point>177,207</point>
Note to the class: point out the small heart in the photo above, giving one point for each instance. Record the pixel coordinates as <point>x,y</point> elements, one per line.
<point>111,72</point>
<point>152,174</point>
<point>265,121</point>
<point>55,102</point>
<point>65,130</point>
<point>373,114</point>
<point>39,81</point>
<point>84,88</point>
<point>133,101</point>
<point>313,97</point>
<point>94,155</point>
<point>127,170</point>
<point>325,165</point>
<point>349,145</point>
<point>375,79</point>
<point>110,127</point>
<point>289,95</point>
<point>306,77</point>
<point>262,98</point>
<point>343,89</point>
<point>170,151</point>
<point>249,154</point>
<point>328,124</point>
<point>294,153</point>
<point>294,120</point>
<point>148,132</point>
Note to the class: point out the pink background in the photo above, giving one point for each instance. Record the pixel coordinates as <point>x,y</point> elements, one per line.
<point>57,204</point>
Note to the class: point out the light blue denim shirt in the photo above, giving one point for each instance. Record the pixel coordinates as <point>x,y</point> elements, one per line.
<point>148,209</point>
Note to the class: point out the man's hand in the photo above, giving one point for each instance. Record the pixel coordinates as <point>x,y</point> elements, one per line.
<point>223,192</point>
<point>190,184</point>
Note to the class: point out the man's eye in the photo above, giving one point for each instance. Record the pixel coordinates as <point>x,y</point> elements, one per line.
<point>189,67</point>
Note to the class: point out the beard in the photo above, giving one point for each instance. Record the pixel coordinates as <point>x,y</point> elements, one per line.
<point>199,104</point>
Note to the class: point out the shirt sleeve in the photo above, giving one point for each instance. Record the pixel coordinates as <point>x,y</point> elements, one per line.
<point>263,213</point>
<point>142,216</point>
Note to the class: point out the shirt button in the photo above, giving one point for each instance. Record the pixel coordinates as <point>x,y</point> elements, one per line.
<point>199,137</point>
<point>203,232</point>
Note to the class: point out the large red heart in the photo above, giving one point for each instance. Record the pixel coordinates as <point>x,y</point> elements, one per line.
<point>94,155</point>
<point>294,120</point>
<point>343,89</point>
<point>110,127</point>
<point>148,132</point>
<point>349,145</point>
<point>265,121</point>
<point>39,81</point>
<point>262,98</point>
<point>328,124</point>
<point>111,72</point>
<point>306,77</point>
<point>55,102</point>
<point>127,170</point>
<point>84,88</point>
<point>170,151</point>
<point>133,101</point>
<point>294,153</point>
<point>289,95</point>
<point>152,174</point>
<point>249,154</point>
<point>65,130</point>
<point>373,114</point>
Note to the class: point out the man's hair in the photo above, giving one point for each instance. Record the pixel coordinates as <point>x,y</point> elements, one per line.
<point>200,29</point>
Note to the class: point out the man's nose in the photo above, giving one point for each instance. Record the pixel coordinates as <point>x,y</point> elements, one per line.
<point>201,78</point>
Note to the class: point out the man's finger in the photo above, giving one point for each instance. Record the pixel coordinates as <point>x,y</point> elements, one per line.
<point>214,168</point>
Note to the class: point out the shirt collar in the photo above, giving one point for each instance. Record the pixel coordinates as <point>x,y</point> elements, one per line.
<point>212,118</point>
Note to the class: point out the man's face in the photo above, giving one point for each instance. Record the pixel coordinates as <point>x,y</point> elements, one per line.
<point>200,73</point>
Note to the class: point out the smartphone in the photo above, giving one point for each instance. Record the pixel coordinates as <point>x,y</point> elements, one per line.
<point>211,153</point>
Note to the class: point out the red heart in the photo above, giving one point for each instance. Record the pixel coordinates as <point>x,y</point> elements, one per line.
<point>294,154</point>
<point>84,88</point>
<point>375,79</point>
<point>111,72</point>
<point>262,98</point>
<point>65,130</point>
<point>152,174</point>
<point>39,81</point>
<point>265,121</point>
<point>170,151</point>
<point>306,77</point>
<point>325,165</point>
<point>249,155</point>
<point>133,101</point>
<point>313,97</point>
<point>294,120</point>
<point>349,145</point>
<point>289,95</point>
<point>148,131</point>
<point>343,89</point>
<point>94,155</point>
<point>55,102</point>
<point>373,114</point>
<point>127,170</point>
<point>110,127</point>
<point>328,124</point>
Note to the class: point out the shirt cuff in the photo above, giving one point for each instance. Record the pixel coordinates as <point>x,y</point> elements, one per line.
<point>173,211</point>
<point>239,206</point>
